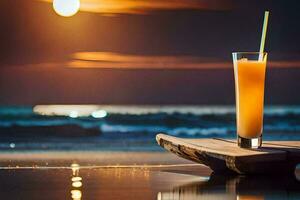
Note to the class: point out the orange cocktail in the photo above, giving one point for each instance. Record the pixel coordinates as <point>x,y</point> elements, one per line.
<point>249,73</point>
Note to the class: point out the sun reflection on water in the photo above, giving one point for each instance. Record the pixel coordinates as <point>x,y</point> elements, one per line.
<point>221,187</point>
<point>72,111</point>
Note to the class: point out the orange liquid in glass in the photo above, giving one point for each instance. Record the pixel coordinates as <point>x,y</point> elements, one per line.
<point>249,83</point>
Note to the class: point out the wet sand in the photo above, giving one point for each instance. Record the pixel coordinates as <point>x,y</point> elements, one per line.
<point>87,158</point>
<point>129,175</point>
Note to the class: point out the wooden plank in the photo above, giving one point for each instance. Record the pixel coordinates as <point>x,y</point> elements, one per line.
<point>224,155</point>
<point>221,147</point>
<point>293,145</point>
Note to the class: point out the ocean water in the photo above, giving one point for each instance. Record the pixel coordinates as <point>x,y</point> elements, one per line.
<point>113,127</point>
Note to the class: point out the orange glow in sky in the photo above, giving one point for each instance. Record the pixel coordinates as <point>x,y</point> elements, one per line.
<point>129,61</point>
<point>109,60</point>
<point>113,7</point>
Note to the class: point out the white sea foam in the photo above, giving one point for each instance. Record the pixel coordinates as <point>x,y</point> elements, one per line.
<point>87,110</point>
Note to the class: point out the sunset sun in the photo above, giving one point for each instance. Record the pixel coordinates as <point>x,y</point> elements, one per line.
<point>66,8</point>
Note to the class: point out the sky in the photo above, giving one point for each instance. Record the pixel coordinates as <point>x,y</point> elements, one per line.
<point>142,51</point>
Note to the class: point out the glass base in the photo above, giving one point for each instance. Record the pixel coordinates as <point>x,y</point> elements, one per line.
<point>252,143</point>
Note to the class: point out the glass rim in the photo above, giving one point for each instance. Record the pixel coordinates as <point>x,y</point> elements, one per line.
<point>249,52</point>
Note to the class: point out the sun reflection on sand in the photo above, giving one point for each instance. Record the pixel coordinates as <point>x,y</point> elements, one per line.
<point>76,193</point>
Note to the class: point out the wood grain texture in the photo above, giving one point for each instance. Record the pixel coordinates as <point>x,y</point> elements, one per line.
<point>225,156</point>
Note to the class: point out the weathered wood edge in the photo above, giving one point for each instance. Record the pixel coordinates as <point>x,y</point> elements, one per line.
<point>224,163</point>
<point>216,162</point>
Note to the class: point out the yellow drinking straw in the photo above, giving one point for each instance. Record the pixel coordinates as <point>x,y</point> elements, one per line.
<point>263,36</point>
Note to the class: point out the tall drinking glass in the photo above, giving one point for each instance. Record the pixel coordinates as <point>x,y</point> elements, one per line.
<point>249,74</point>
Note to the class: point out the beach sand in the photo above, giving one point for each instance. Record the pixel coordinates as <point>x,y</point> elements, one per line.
<point>129,175</point>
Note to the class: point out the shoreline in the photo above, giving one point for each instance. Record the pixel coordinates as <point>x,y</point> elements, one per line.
<point>89,158</point>
<point>130,175</point>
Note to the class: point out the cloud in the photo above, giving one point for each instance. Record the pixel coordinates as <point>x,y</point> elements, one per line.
<point>127,61</point>
<point>112,7</point>
<point>109,60</point>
